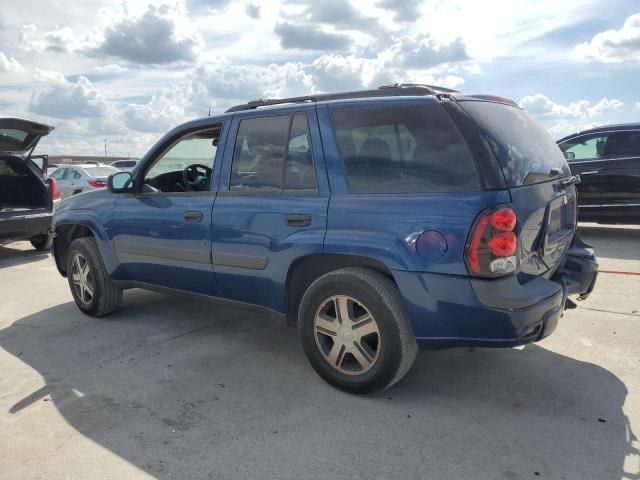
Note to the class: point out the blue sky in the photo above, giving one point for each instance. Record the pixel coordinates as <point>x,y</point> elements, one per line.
<point>127,71</point>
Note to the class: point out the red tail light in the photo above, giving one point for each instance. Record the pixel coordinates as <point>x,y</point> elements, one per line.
<point>97,183</point>
<point>493,243</point>
<point>54,190</point>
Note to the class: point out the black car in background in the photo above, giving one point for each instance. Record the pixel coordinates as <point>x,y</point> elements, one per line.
<point>608,161</point>
<point>27,196</point>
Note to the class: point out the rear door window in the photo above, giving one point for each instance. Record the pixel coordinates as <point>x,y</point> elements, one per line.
<point>623,144</point>
<point>525,150</point>
<point>272,155</point>
<point>403,149</point>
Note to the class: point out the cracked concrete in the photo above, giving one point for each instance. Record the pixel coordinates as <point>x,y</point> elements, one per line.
<point>169,388</point>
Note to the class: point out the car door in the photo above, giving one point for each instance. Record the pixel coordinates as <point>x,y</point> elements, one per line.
<point>272,203</point>
<point>75,182</point>
<point>620,174</point>
<point>62,177</point>
<point>162,233</point>
<point>585,155</point>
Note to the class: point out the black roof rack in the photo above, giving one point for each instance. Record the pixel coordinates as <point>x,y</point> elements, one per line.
<point>391,90</point>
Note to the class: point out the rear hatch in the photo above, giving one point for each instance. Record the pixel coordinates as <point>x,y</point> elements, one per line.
<point>23,187</point>
<point>20,137</point>
<point>540,183</point>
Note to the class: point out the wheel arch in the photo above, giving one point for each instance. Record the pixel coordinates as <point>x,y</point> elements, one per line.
<point>306,269</point>
<point>64,235</point>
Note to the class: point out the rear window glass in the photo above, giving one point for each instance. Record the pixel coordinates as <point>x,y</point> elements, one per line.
<point>525,150</point>
<point>403,149</point>
<point>100,171</point>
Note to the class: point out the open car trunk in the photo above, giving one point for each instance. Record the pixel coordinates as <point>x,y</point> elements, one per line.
<point>20,187</point>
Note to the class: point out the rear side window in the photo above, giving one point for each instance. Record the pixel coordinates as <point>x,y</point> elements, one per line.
<point>6,170</point>
<point>622,144</point>
<point>525,150</point>
<point>403,149</point>
<point>273,154</point>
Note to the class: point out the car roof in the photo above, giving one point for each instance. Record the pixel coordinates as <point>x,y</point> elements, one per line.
<point>617,127</point>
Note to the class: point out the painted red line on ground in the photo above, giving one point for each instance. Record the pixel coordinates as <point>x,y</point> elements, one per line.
<point>619,272</point>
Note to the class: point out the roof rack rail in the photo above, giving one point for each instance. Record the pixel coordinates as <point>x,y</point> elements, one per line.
<point>435,88</point>
<point>391,90</point>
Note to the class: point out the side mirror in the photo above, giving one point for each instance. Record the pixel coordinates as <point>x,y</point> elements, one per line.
<point>120,182</point>
<point>570,155</point>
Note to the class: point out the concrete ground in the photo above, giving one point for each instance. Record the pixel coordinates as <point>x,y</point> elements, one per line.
<point>169,388</point>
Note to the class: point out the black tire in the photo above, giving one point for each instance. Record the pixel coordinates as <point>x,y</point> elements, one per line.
<point>395,344</point>
<point>106,297</point>
<point>41,242</point>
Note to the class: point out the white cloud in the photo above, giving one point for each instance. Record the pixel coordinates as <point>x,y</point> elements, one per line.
<point>9,64</point>
<point>161,35</point>
<point>563,119</point>
<point>540,105</point>
<point>69,100</point>
<point>111,68</point>
<point>614,46</point>
<point>51,77</point>
<point>59,40</point>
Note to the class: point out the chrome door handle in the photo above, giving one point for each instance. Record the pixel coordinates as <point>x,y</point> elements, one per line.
<point>590,172</point>
<point>192,217</point>
<point>297,219</point>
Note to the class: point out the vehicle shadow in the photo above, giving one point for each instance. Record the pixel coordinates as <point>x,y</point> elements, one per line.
<point>611,241</point>
<point>185,389</point>
<point>11,255</point>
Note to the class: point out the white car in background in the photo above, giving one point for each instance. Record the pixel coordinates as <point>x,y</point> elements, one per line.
<point>124,164</point>
<point>74,179</point>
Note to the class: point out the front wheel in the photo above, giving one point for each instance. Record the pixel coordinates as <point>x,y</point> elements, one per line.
<point>355,331</point>
<point>90,283</point>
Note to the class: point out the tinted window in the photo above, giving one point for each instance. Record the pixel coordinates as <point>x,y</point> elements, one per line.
<point>525,150</point>
<point>299,171</point>
<point>261,148</point>
<point>623,144</point>
<point>6,170</point>
<point>589,147</point>
<point>403,149</point>
<point>74,174</point>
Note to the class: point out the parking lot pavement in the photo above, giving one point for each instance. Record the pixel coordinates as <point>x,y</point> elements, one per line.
<point>170,388</point>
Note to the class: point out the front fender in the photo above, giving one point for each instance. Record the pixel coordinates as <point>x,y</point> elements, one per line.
<point>70,224</point>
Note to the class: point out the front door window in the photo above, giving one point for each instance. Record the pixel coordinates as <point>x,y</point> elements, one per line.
<point>186,165</point>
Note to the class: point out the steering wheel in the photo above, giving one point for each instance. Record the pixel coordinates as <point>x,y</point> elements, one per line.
<point>196,177</point>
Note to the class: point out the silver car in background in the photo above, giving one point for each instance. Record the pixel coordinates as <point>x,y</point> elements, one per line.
<point>124,164</point>
<point>74,179</point>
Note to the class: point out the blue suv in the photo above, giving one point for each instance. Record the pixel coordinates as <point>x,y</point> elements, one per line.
<point>378,222</point>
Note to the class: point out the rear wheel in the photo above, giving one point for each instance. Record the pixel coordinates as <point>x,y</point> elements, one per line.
<point>41,242</point>
<point>90,283</point>
<point>355,331</point>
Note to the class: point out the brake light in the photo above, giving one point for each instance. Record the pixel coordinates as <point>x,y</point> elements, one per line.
<point>54,190</point>
<point>493,243</point>
<point>97,183</point>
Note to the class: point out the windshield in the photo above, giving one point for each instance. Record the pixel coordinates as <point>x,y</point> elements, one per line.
<point>525,150</point>
<point>100,171</point>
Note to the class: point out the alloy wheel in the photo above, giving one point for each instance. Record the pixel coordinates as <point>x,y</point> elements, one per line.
<point>347,335</point>
<point>82,279</point>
